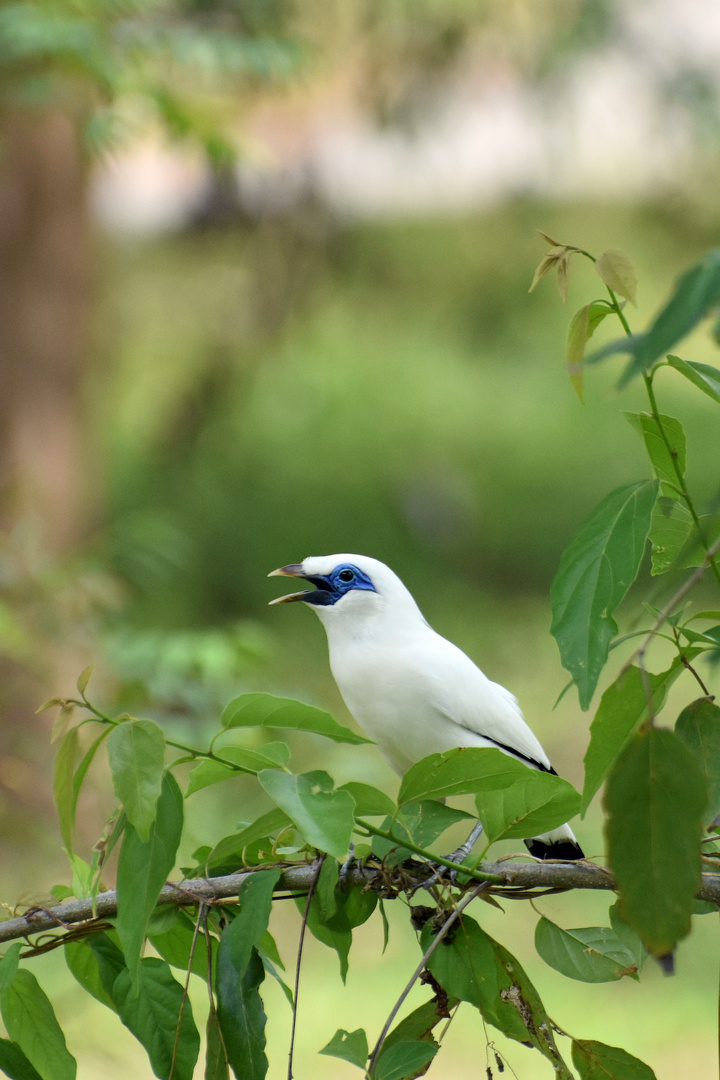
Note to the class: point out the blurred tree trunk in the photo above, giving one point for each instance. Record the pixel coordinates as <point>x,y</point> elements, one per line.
<point>44,240</point>
<point>44,248</point>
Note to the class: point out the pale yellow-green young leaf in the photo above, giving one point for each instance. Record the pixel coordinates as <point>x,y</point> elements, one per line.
<point>549,239</point>
<point>50,704</point>
<point>563,267</point>
<point>582,327</point>
<point>617,270</point>
<point>61,722</point>
<point>545,266</point>
<point>84,678</point>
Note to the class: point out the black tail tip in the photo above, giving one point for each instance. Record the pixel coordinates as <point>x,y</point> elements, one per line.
<point>566,850</point>
<point>667,963</point>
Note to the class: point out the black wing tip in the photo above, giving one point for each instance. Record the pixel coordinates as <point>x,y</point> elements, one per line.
<point>565,850</point>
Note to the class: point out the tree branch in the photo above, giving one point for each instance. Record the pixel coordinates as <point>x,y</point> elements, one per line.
<point>516,879</point>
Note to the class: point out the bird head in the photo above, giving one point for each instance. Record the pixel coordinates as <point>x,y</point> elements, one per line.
<point>347,586</point>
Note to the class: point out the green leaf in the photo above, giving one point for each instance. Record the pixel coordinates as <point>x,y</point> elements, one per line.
<point>617,271</point>
<point>85,764</point>
<point>386,927</point>
<point>596,1061</point>
<point>14,1063</point>
<point>63,785</point>
<point>336,933</point>
<point>231,848</point>
<point>240,1014</point>
<point>110,960</point>
<point>711,636</point>
<point>655,797</point>
<point>325,885</point>
<point>323,816</point>
<point>357,904</point>
<point>136,751</point>
<point>30,1022</point>
<point>143,869</point>
<point>705,377</point>
<point>671,526</point>
<point>627,936</point>
<point>239,760</point>
<point>623,707</point>
<point>159,1015</point>
<point>392,852</point>
<point>418,1025</point>
<point>9,965</point>
<point>666,463</point>
<point>404,1060</point>
<point>250,923</point>
<point>349,1046</point>
<point>589,953</point>
<point>216,1062</point>
<point>265,710</point>
<point>582,327</point>
<point>693,554</point>
<point>698,728</point>
<point>334,930</point>
<point>175,944</point>
<point>84,965</point>
<point>536,803</point>
<point>596,570</point>
<point>463,771</point>
<point>369,800</point>
<point>267,945</point>
<point>475,968</point>
<point>427,820</point>
<point>270,969</point>
<point>696,294</point>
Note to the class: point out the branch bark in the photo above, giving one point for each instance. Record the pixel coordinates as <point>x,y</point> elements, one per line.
<point>515,876</point>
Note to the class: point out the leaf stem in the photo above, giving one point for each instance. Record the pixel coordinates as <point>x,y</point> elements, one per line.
<point>476,875</point>
<point>655,412</point>
<point>648,379</point>
<point>442,933</point>
<point>192,753</point>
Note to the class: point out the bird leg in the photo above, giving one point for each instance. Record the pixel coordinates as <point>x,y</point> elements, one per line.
<point>461,853</point>
<point>347,866</point>
<point>457,856</point>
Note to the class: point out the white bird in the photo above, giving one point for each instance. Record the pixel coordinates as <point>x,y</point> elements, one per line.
<point>411,690</point>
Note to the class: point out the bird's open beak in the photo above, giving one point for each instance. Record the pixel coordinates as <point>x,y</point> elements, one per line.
<point>293,570</point>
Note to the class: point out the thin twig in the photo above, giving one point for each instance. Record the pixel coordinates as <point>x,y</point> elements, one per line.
<point>301,942</point>
<point>186,989</point>
<point>442,933</point>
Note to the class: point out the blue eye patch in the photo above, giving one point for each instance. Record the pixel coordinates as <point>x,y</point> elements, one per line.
<point>333,586</point>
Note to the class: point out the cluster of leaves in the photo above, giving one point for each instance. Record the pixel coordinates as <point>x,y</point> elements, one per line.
<point>228,945</point>
<point>661,789</point>
<point>662,796</point>
<point>93,57</point>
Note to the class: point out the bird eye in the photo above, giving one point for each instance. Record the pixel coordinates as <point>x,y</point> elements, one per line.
<point>346,575</point>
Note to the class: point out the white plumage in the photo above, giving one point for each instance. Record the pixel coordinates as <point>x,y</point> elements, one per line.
<point>411,690</point>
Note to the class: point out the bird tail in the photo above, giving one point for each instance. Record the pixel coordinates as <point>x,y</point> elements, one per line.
<point>558,844</point>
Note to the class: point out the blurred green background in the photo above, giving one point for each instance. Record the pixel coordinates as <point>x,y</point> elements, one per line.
<point>276,368</point>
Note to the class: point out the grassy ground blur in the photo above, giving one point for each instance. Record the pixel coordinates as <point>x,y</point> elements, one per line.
<point>414,405</point>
